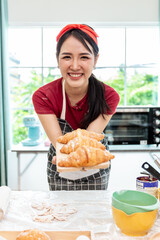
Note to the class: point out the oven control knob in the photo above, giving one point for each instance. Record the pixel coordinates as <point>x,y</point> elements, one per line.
<point>157,121</point>
<point>157,130</point>
<point>157,113</point>
<point>157,140</point>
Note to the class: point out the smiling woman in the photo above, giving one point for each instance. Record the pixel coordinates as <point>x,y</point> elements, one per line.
<point>76,100</point>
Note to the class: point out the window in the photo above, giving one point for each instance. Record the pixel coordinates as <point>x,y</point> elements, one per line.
<point>128,62</point>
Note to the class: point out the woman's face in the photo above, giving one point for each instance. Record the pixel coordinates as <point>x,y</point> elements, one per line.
<point>76,63</point>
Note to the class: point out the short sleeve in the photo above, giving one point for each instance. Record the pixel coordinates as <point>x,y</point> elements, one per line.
<point>112,99</point>
<point>42,104</point>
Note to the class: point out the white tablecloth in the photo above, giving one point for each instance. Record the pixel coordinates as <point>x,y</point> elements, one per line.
<point>93,213</point>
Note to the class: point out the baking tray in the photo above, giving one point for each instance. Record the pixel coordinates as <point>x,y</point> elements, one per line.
<point>54,235</point>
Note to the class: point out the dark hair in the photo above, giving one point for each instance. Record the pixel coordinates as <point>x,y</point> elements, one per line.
<point>96,91</point>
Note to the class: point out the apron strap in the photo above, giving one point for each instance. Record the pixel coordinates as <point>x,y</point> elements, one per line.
<point>63,113</point>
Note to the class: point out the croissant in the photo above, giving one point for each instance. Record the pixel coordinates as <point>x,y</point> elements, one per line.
<point>86,157</point>
<point>31,234</point>
<point>69,136</point>
<point>78,141</point>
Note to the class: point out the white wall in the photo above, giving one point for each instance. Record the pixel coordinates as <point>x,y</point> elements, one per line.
<point>34,178</point>
<point>126,167</point>
<point>51,12</point>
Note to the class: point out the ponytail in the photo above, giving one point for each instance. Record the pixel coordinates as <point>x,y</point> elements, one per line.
<point>96,101</point>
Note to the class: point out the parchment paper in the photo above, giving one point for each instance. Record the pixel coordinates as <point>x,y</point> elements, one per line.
<point>93,214</point>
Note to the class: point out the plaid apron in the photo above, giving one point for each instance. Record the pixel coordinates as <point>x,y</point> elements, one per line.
<point>97,181</point>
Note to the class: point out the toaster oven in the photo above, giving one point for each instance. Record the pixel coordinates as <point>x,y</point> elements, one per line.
<point>134,125</point>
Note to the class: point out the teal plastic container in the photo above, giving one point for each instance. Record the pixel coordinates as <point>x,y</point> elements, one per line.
<point>132,201</point>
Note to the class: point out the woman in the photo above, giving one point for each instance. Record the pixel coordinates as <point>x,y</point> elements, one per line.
<point>76,100</point>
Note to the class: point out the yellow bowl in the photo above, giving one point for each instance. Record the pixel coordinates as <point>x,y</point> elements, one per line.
<point>136,224</point>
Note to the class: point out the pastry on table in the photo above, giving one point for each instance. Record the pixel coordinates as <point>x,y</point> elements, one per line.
<point>32,234</point>
<point>69,136</point>
<point>85,157</point>
<point>80,140</point>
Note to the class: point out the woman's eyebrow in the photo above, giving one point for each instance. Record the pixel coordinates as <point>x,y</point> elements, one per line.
<point>68,53</point>
<point>64,53</point>
<point>85,53</point>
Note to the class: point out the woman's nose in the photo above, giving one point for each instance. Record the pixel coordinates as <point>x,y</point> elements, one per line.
<point>75,64</point>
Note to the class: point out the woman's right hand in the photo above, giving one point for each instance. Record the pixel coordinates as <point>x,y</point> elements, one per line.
<point>54,159</point>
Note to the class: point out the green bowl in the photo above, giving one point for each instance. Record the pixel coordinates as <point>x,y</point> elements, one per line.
<point>132,201</point>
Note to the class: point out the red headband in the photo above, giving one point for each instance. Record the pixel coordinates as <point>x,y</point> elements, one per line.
<point>82,27</point>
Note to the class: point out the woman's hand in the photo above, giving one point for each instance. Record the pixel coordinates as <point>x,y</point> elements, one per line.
<point>54,160</point>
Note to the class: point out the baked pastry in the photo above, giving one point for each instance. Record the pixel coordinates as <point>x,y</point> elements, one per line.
<point>69,136</point>
<point>32,234</point>
<point>85,157</point>
<point>80,140</point>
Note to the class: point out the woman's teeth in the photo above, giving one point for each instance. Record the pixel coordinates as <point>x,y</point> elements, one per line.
<point>75,75</point>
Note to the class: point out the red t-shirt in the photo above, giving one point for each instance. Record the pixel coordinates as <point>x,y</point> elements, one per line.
<point>48,99</point>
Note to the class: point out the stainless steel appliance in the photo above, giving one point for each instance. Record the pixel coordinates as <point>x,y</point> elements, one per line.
<point>134,125</point>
